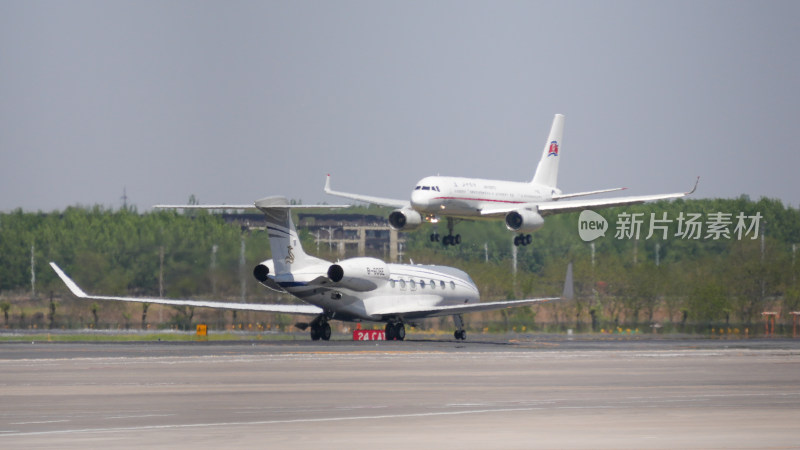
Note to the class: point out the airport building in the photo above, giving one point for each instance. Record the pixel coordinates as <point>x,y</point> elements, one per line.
<point>349,235</point>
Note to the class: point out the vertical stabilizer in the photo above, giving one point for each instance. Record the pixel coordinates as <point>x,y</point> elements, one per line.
<point>287,251</point>
<point>547,170</point>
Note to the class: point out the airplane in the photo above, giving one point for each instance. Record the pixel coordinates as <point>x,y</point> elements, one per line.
<point>523,205</point>
<point>353,290</point>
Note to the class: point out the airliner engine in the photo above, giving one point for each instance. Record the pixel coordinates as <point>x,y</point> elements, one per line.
<point>524,221</point>
<point>359,274</point>
<point>405,219</point>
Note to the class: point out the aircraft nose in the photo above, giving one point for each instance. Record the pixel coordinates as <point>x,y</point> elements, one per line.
<point>420,198</point>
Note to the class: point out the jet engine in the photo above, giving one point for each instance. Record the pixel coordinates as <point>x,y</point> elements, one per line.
<point>405,219</point>
<point>524,221</point>
<point>359,274</point>
<point>261,272</point>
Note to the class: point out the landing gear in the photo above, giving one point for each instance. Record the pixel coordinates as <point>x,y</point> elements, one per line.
<point>395,331</point>
<point>523,239</point>
<point>320,329</point>
<point>451,239</point>
<point>460,334</point>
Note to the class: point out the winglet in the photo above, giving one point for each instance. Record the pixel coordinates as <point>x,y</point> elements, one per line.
<point>695,186</point>
<point>328,184</point>
<point>76,291</point>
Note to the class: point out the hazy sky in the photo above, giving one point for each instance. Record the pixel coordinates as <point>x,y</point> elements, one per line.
<point>232,101</point>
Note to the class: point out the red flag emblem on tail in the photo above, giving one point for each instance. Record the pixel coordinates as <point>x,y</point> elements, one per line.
<point>553,149</point>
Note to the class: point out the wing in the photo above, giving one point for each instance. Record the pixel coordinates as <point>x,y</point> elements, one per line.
<point>228,207</point>
<point>562,206</point>
<point>268,201</point>
<point>367,198</point>
<point>584,194</point>
<point>412,313</point>
<point>287,309</point>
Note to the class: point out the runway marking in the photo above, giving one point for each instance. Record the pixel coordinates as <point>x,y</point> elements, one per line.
<point>264,422</point>
<point>39,422</point>
<point>140,416</point>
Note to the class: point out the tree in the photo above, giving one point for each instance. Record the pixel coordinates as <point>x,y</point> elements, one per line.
<point>5,306</point>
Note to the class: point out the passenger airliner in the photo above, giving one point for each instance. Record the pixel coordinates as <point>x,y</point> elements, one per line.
<point>523,205</point>
<point>355,289</point>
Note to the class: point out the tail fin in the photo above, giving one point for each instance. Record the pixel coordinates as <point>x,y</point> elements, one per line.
<point>287,251</point>
<point>547,170</point>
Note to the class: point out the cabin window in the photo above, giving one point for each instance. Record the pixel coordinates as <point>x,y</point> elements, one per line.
<point>413,285</point>
<point>452,285</point>
<point>391,283</point>
<point>402,284</point>
<point>422,284</point>
<point>433,284</point>
<point>441,284</point>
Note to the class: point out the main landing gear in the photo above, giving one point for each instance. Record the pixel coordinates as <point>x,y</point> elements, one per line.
<point>395,331</point>
<point>320,329</point>
<point>450,239</point>
<point>446,240</point>
<point>460,334</point>
<point>522,239</point>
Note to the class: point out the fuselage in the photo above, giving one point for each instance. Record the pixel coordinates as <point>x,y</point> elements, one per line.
<point>414,287</point>
<point>466,197</point>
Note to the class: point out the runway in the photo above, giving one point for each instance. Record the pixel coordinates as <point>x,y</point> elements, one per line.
<point>538,393</point>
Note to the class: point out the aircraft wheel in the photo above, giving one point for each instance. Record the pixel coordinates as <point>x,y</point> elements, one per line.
<point>315,335</point>
<point>462,335</point>
<point>325,332</point>
<point>457,239</point>
<point>400,331</point>
<point>516,241</point>
<point>389,330</point>
<point>528,239</point>
<point>447,240</point>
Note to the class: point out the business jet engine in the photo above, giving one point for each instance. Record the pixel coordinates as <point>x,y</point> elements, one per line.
<point>359,274</point>
<point>405,219</point>
<point>524,221</point>
<point>261,273</point>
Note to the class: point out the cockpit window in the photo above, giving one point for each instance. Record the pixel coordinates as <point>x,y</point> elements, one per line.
<point>418,188</point>
<point>436,188</point>
<point>426,188</point>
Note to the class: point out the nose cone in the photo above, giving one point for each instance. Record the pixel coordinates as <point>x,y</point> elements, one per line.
<point>420,200</point>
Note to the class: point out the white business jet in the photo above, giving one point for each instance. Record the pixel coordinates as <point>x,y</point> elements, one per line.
<point>523,205</point>
<point>355,289</point>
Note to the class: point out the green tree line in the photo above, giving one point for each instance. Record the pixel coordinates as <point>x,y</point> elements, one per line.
<point>704,278</point>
